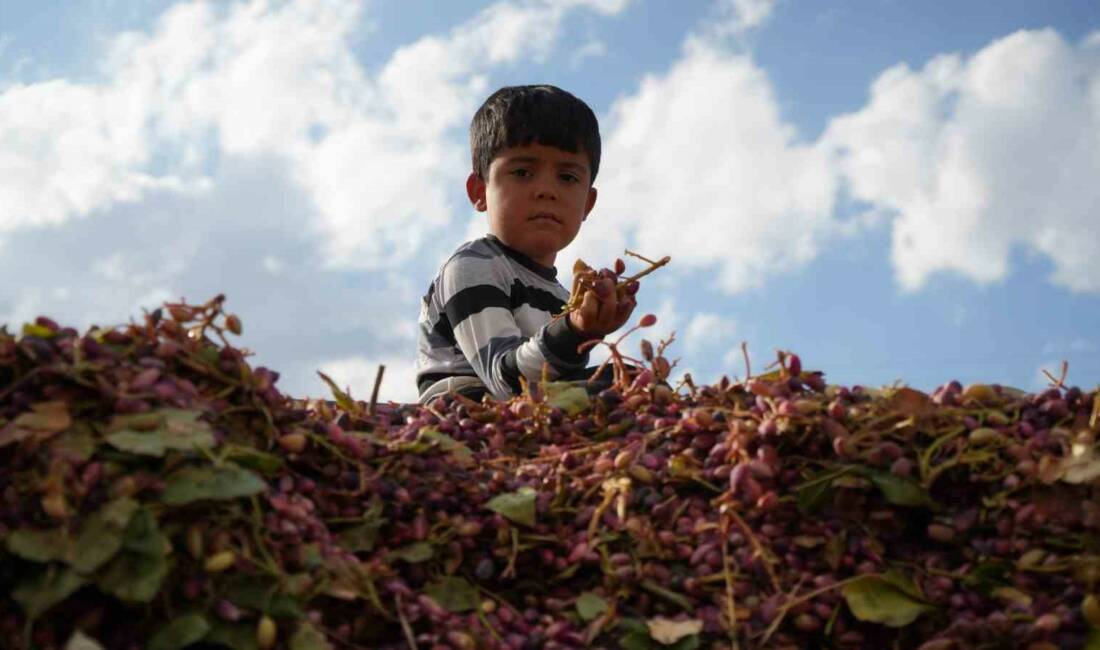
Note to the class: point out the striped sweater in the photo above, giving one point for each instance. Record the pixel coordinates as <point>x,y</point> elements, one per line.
<point>487,318</point>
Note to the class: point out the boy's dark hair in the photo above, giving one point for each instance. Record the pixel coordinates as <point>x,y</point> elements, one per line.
<point>519,115</point>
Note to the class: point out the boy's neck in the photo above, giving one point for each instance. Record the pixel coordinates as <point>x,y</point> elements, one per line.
<point>550,272</point>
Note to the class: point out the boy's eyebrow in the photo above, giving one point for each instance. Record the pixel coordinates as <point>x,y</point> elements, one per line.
<point>535,159</point>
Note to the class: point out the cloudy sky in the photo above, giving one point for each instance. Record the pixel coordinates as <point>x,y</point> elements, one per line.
<point>894,190</point>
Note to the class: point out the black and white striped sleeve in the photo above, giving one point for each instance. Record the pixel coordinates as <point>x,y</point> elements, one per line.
<point>480,301</point>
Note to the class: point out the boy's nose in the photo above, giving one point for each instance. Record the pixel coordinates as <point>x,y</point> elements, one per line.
<point>545,191</point>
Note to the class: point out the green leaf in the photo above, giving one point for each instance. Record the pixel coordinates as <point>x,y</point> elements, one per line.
<point>636,637</point>
<point>636,641</point>
<point>682,467</point>
<point>343,400</point>
<point>40,331</point>
<point>133,577</point>
<point>175,429</point>
<point>180,633</point>
<point>136,421</point>
<point>307,637</point>
<point>454,594</point>
<point>633,626</point>
<point>235,636</point>
<point>516,506</point>
<point>413,553</point>
<point>78,442</point>
<point>44,420</point>
<point>262,594</point>
<point>900,491</point>
<point>310,555</point>
<point>46,588</point>
<point>361,538</point>
<point>197,483</point>
<point>136,574</point>
<point>988,575</point>
<point>143,534</point>
<point>137,442</point>
<point>253,459</point>
<point>567,396</point>
<point>814,497</point>
<point>458,451</point>
<point>1092,639</point>
<point>590,606</point>
<point>876,599</point>
<point>902,582</point>
<point>209,355</point>
<point>81,641</point>
<point>671,596</point>
<point>40,545</point>
<point>102,534</point>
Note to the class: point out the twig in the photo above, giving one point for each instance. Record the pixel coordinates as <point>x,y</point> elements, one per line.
<point>731,605</point>
<point>374,391</point>
<point>799,600</point>
<point>639,256</point>
<point>1060,382</point>
<point>653,266</point>
<point>405,627</point>
<point>745,353</point>
<point>761,552</point>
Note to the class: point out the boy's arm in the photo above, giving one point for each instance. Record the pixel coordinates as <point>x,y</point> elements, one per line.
<point>478,304</point>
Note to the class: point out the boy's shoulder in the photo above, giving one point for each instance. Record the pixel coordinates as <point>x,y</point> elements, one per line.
<point>478,261</point>
<point>481,248</point>
<point>478,252</point>
<point>487,261</point>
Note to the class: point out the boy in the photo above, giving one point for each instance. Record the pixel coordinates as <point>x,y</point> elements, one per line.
<point>487,318</point>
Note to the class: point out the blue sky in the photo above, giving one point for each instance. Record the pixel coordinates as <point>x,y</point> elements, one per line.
<point>897,191</point>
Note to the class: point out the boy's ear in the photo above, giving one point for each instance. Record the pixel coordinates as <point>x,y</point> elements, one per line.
<point>590,202</point>
<point>475,189</point>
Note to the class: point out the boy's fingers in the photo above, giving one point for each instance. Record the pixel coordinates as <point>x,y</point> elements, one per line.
<point>609,308</point>
<point>624,309</point>
<point>590,308</point>
<point>604,287</point>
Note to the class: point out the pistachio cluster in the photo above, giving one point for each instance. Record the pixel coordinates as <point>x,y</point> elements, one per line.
<point>160,492</point>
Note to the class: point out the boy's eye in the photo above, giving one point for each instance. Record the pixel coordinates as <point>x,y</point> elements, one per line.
<point>521,172</point>
<point>570,178</point>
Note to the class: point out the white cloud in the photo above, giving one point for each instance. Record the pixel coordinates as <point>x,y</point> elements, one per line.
<point>606,7</point>
<point>242,148</point>
<point>739,16</point>
<point>733,362</point>
<point>977,156</point>
<point>359,373</point>
<point>273,265</point>
<point>708,332</point>
<point>66,150</point>
<point>591,49</point>
<point>699,165</point>
<point>376,155</point>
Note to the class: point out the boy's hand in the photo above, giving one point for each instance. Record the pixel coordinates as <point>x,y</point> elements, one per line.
<point>603,309</point>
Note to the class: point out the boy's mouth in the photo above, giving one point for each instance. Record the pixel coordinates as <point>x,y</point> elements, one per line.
<point>545,215</point>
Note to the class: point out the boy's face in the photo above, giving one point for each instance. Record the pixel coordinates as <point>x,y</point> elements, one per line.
<point>536,196</point>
